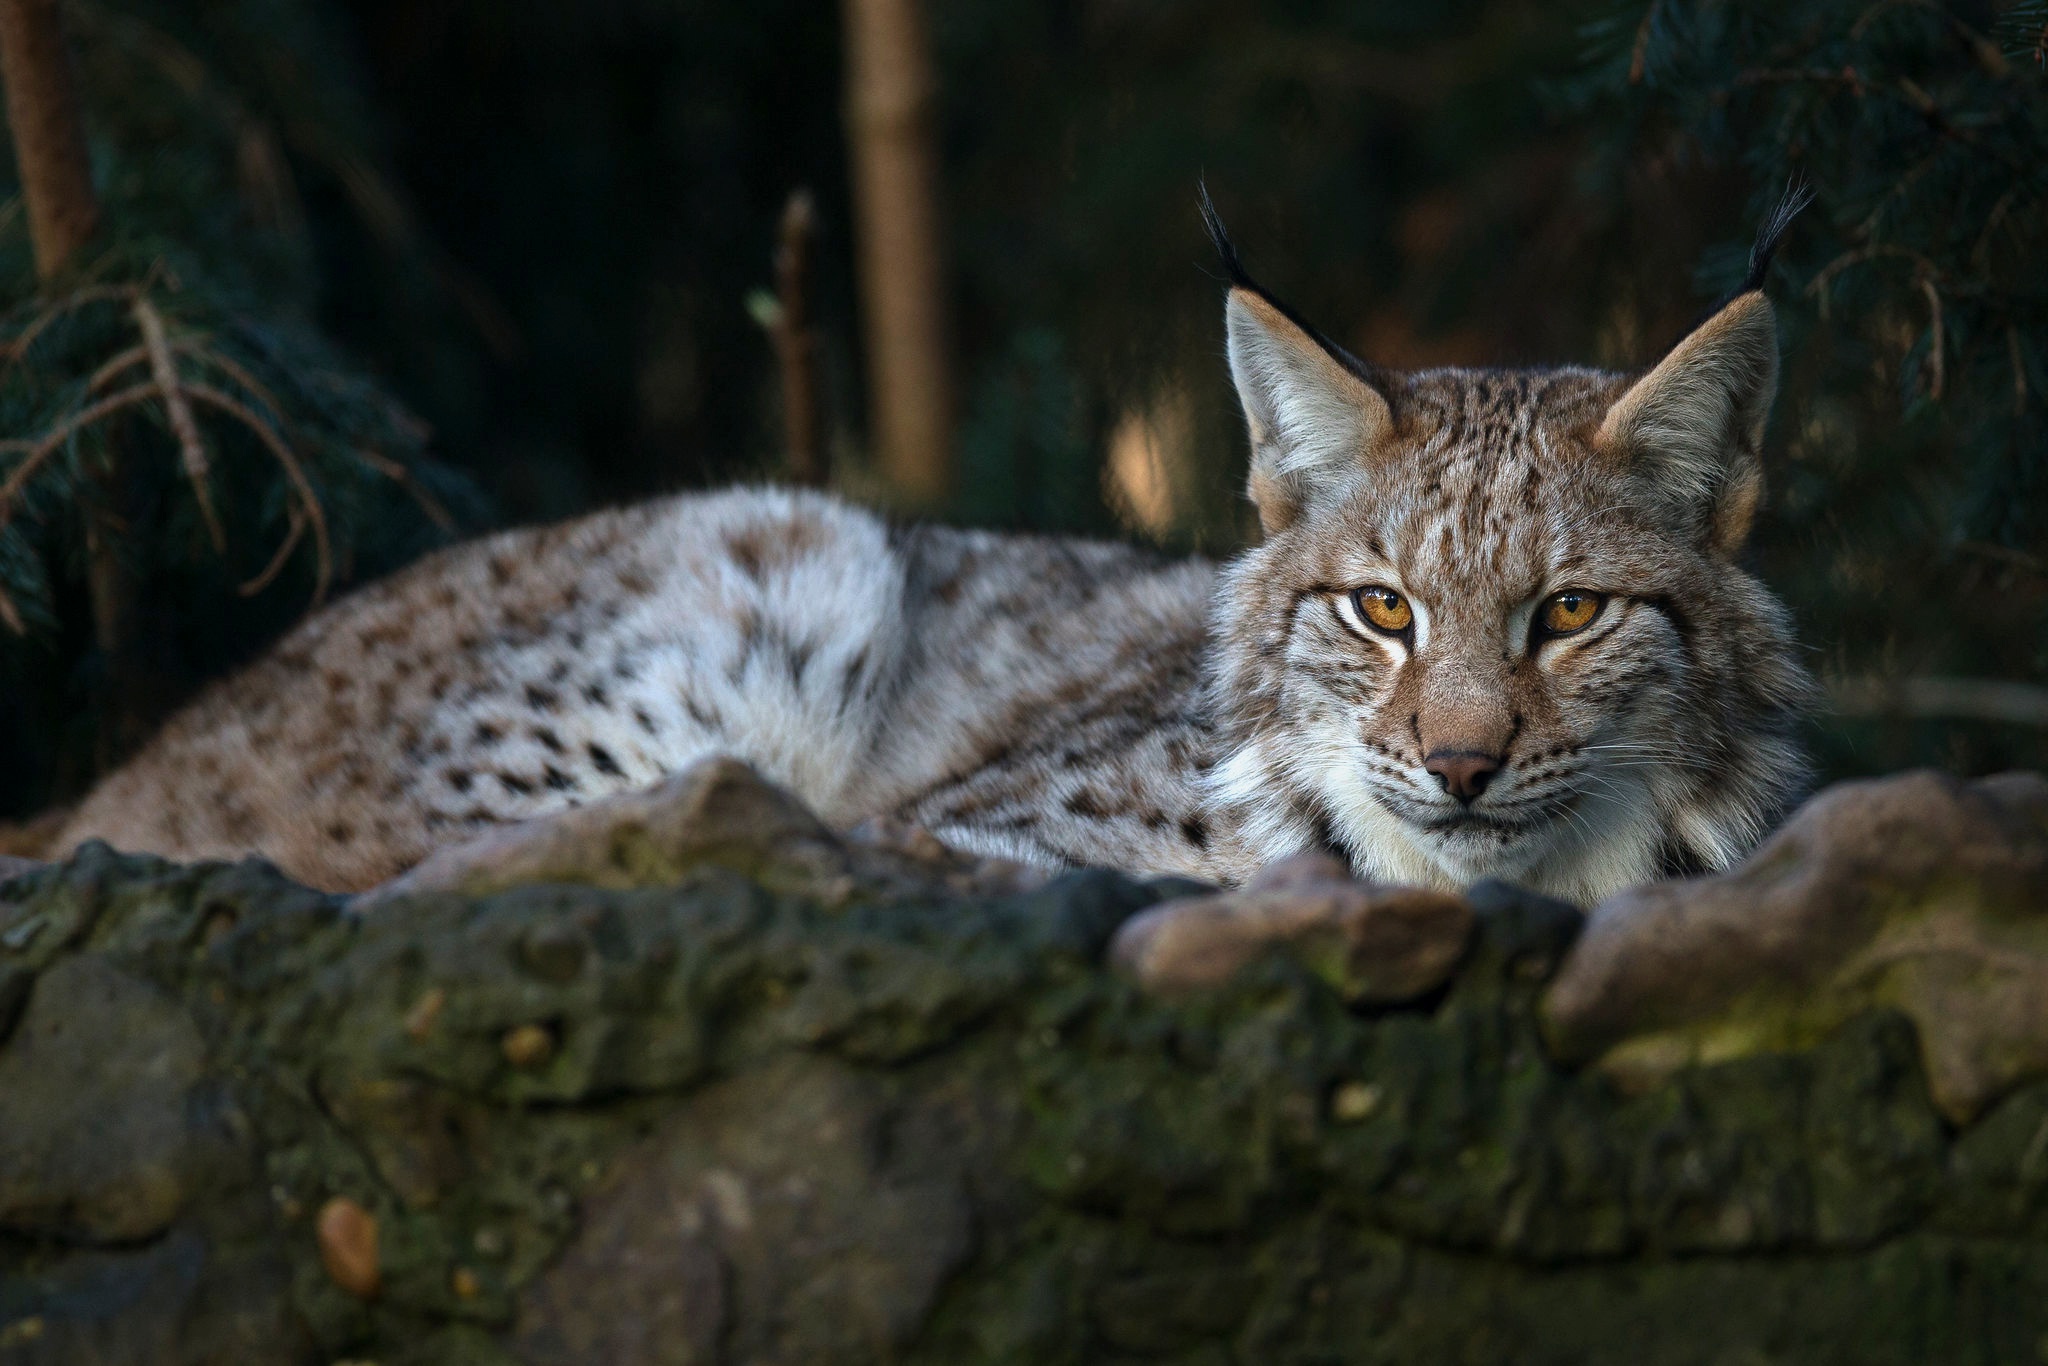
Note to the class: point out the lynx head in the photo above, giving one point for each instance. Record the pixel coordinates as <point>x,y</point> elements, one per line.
<point>1496,627</point>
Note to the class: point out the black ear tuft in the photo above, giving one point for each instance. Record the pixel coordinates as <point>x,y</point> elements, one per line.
<point>1240,278</point>
<point>1219,238</point>
<point>1798,194</point>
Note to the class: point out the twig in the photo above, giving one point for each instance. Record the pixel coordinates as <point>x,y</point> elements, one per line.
<point>264,432</point>
<point>191,446</point>
<point>2019,371</point>
<point>1638,57</point>
<point>1922,102</point>
<point>1965,699</point>
<point>297,523</point>
<point>796,342</point>
<point>1817,286</point>
<point>16,347</point>
<point>234,370</point>
<point>1936,342</point>
<point>39,449</point>
<point>1864,19</point>
<point>1981,48</point>
<point>1980,254</point>
<point>398,474</point>
<point>113,367</point>
<point>2005,554</point>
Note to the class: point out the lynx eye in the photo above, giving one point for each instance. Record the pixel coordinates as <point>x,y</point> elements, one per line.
<point>1569,611</point>
<point>1383,609</point>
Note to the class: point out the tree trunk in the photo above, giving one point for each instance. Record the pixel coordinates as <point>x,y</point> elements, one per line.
<point>796,344</point>
<point>127,695</point>
<point>889,126</point>
<point>49,137</point>
<point>63,214</point>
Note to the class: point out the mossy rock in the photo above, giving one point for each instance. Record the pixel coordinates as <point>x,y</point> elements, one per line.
<point>729,1121</point>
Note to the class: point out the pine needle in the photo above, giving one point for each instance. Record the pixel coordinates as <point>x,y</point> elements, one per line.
<point>278,560</point>
<point>41,448</point>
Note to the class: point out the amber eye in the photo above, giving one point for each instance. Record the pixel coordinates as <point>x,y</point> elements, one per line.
<point>1569,611</point>
<point>1384,609</point>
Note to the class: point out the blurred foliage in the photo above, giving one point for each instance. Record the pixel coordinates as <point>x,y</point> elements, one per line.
<point>174,392</point>
<point>1910,516</point>
<point>538,226</point>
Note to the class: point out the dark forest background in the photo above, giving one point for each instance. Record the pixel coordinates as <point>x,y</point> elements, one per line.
<point>462,263</point>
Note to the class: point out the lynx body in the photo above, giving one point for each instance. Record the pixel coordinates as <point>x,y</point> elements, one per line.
<point>1495,628</point>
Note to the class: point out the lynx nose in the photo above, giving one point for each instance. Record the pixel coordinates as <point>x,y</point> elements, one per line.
<point>1463,773</point>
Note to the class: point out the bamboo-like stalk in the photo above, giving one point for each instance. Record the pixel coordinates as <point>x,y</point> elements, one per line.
<point>889,97</point>
<point>49,136</point>
<point>796,343</point>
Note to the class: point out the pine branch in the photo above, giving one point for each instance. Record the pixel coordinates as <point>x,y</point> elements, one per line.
<point>309,503</point>
<point>191,446</point>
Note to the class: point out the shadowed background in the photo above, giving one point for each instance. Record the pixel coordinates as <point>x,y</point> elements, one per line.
<point>525,255</point>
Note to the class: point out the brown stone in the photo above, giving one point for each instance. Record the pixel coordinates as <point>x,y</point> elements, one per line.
<point>425,1012</point>
<point>1921,892</point>
<point>347,1237</point>
<point>1375,944</point>
<point>527,1045</point>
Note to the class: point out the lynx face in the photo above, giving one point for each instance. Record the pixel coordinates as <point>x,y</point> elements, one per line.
<point>1495,628</point>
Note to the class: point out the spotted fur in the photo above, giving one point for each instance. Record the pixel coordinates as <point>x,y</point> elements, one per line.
<point>1065,702</point>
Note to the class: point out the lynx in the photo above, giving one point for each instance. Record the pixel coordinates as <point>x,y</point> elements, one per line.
<point>1495,627</point>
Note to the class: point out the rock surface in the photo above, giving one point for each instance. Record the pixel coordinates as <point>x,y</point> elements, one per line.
<point>112,1162</point>
<point>1919,892</point>
<point>1375,945</point>
<point>835,1109</point>
<point>714,813</point>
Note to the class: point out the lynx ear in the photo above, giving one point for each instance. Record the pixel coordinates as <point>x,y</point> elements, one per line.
<point>1311,414</point>
<point>1694,426</point>
<point>1310,417</point>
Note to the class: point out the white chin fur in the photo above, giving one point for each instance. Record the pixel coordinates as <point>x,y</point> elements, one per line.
<point>1609,842</point>
<point>1605,844</point>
